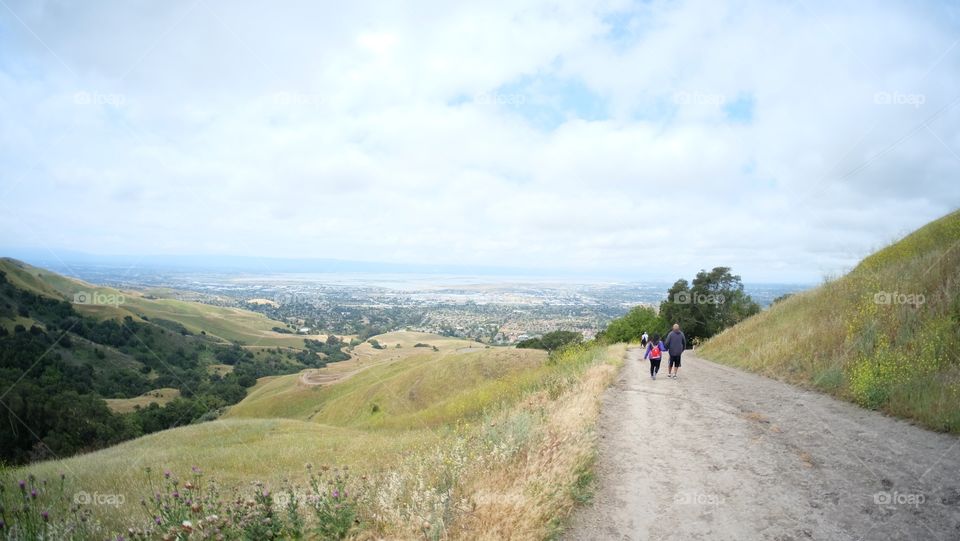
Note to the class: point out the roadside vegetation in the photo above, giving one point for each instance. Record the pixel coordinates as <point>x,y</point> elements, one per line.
<point>447,444</point>
<point>886,335</point>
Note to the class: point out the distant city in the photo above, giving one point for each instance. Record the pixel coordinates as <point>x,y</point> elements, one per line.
<point>492,309</point>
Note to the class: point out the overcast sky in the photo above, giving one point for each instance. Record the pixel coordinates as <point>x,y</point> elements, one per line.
<point>784,139</point>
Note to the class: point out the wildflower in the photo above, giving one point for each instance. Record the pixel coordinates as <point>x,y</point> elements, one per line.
<point>175,495</point>
<point>336,494</point>
<point>46,516</point>
<point>33,494</point>
<point>23,485</point>
<point>166,474</point>
<point>195,470</point>
<point>157,520</point>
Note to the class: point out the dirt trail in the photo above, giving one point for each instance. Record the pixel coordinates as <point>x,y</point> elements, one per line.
<point>725,454</point>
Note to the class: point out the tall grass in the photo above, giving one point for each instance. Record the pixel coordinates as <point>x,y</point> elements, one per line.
<point>886,335</point>
<point>512,467</point>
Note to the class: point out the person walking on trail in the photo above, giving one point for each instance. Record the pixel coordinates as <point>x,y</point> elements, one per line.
<point>675,344</point>
<point>644,339</point>
<point>654,352</point>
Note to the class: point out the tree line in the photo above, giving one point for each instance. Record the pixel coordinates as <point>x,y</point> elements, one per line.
<point>57,366</point>
<point>711,302</point>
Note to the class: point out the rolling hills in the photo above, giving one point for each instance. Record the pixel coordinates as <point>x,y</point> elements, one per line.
<point>886,335</point>
<point>229,325</point>
<point>79,373</point>
<point>452,440</point>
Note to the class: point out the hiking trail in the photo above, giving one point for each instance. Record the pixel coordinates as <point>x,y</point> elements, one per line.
<point>725,454</point>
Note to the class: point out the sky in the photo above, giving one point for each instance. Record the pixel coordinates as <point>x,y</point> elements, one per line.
<point>649,139</point>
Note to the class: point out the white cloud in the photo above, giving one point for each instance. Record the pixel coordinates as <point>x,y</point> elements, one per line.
<point>370,132</point>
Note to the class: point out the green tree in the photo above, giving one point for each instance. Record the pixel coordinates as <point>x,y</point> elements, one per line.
<point>552,341</point>
<point>714,301</point>
<point>629,328</point>
<point>676,308</point>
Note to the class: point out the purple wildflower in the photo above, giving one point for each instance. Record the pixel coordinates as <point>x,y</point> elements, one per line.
<point>175,494</point>
<point>46,516</point>
<point>336,494</point>
<point>33,494</point>
<point>166,474</point>
<point>23,484</point>
<point>157,520</point>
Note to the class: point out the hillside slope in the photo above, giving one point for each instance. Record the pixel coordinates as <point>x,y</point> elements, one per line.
<point>60,360</point>
<point>226,324</point>
<point>398,387</point>
<point>886,335</point>
<point>466,442</point>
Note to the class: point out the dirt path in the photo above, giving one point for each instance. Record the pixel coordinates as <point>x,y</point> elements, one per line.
<point>724,454</point>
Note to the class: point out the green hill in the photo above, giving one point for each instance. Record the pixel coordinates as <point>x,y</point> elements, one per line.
<point>886,335</point>
<point>409,387</point>
<point>458,442</point>
<point>77,376</point>
<point>226,324</point>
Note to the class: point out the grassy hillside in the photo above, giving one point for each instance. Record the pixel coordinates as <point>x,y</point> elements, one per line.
<point>156,396</point>
<point>77,377</point>
<point>227,324</point>
<point>886,335</point>
<point>398,387</point>
<point>466,442</point>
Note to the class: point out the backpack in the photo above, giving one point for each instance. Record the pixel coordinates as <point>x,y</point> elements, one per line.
<point>655,352</point>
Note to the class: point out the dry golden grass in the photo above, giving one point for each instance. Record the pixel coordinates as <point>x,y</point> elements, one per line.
<point>532,497</point>
<point>158,396</point>
<point>886,335</point>
<point>513,467</point>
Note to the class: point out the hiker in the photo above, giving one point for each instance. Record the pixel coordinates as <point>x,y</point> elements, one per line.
<point>654,353</point>
<point>676,343</point>
<point>644,339</point>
